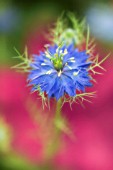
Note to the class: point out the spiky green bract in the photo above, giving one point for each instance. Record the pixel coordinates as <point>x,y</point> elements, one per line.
<point>90,48</point>
<point>24,65</point>
<point>68,29</point>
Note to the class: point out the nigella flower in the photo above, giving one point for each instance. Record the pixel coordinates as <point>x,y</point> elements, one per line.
<point>59,71</point>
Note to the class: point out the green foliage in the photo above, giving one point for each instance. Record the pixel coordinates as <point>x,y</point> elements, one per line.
<point>97,64</point>
<point>79,26</point>
<point>25,61</point>
<point>68,29</point>
<point>79,98</point>
<point>90,49</point>
<point>58,29</point>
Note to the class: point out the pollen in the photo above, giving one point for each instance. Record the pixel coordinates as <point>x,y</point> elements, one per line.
<point>61,51</point>
<point>72,60</point>
<point>65,52</point>
<point>57,50</point>
<point>75,73</point>
<point>49,72</point>
<point>69,67</point>
<point>43,64</point>
<point>47,54</point>
<point>59,73</point>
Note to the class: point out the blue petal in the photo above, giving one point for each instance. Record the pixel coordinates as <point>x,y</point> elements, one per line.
<point>49,83</point>
<point>52,49</point>
<point>59,93</point>
<point>56,86</point>
<point>66,58</point>
<point>40,72</point>
<point>68,85</point>
<point>80,86</point>
<point>70,47</point>
<point>85,64</point>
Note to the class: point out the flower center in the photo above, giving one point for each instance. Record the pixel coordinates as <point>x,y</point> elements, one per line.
<point>58,64</point>
<point>58,59</point>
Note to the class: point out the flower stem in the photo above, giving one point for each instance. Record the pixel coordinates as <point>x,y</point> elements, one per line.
<point>58,120</point>
<point>54,142</point>
<point>58,108</point>
<point>61,124</point>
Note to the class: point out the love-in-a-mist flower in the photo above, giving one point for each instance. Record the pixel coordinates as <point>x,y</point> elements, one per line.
<point>60,70</point>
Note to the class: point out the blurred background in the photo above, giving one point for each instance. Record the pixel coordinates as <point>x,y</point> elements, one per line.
<point>25,132</point>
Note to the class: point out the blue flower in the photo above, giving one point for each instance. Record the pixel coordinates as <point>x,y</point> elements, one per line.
<point>59,71</point>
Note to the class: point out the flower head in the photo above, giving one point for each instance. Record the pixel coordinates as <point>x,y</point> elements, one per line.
<point>60,70</point>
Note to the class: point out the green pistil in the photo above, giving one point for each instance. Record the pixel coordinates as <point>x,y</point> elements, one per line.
<point>58,64</point>
<point>57,59</point>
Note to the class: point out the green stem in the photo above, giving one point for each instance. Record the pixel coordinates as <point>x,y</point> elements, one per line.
<point>53,143</point>
<point>58,117</point>
<point>58,108</point>
<point>61,124</point>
